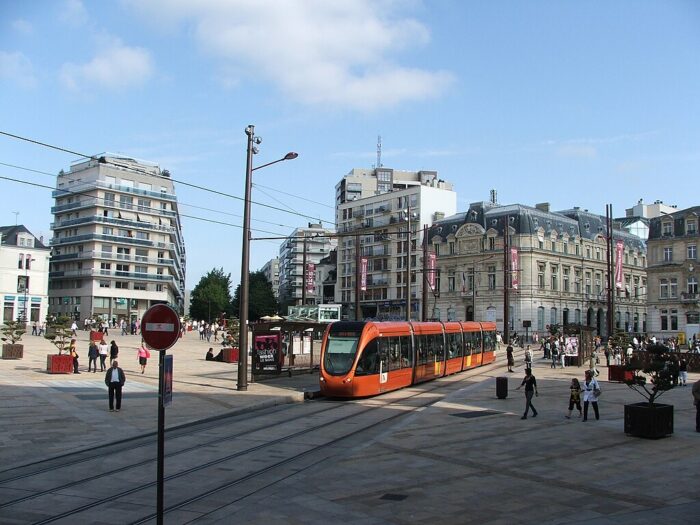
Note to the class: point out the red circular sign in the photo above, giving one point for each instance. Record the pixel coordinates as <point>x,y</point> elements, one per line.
<point>160,327</point>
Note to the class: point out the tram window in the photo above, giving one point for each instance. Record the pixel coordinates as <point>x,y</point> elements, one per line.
<point>489,341</point>
<point>340,354</point>
<point>394,351</point>
<point>476,342</point>
<point>406,354</point>
<point>453,344</point>
<point>438,347</point>
<point>368,363</point>
<point>422,349</point>
<point>469,343</point>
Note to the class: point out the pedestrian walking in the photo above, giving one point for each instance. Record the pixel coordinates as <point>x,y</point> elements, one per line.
<point>75,356</point>
<point>115,379</point>
<point>74,328</point>
<point>591,392</point>
<point>93,354</point>
<point>35,328</point>
<point>530,384</point>
<point>696,401</point>
<point>509,357</point>
<point>104,352</point>
<point>593,360</point>
<point>683,371</point>
<point>574,398</point>
<point>528,357</point>
<point>113,351</point>
<point>143,355</point>
<point>555,357</point>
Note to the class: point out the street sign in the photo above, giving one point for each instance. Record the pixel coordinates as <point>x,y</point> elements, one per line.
<point>160,327</point>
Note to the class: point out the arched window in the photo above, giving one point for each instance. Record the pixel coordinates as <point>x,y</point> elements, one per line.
<point>540,318</point>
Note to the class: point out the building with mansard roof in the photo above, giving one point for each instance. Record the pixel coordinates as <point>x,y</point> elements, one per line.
<point>673,273</point>
<point>558,277</point>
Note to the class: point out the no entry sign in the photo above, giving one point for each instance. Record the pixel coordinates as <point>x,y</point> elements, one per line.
<point>160,327</point>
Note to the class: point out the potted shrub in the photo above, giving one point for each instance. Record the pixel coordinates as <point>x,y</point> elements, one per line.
<point>651,378</point>
<point>620,341</point>
<point>60,335</point>
<point>12,332</point>
<point>230,341</point>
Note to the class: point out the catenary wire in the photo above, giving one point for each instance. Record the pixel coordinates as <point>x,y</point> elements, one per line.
<point>196,186</point>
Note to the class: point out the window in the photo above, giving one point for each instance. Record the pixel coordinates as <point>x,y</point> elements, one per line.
<point>126,202</point>
<point>666,228</point>
<point>553,316</point>
<point>663,289</point>
<point>674,320</point>
<point>451,281</point>
<point>123,285</point>
<point>492,277</point>
<point>577,316</point>
<point>668,254</point>
<point>107,230</point>
<point>104,284</point>
<point>540,244</point>
<point>597,253</point>
<point>22,284</point>
<point>20,262</point>
<point>588,252</point>
<point>491,243</point>
<point>540,276</point>
<point>109,199</point>
<point>555,278</point>
<point>673,288</point>
<point>451,247</point>
<point>589,290</point>
<point>122,270</point>
<point>540,318</point>
<point>692,251</point>
<point>159,287</point>
<point>9,310</point>
<point>692,285</point>
<point>577,281</point>
<point>566,279</point>
<point>691,227</point>
<point>141,254</point>
<point>105,268</point>
<point>142,235</point>
<point>598,284</point>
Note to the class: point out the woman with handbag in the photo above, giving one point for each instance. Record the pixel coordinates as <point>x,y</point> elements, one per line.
<point>591,391</point>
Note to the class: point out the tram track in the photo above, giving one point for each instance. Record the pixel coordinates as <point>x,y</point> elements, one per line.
<point>447,384</point>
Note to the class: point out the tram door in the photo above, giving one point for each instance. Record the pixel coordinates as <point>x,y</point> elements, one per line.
<point>383,364</point>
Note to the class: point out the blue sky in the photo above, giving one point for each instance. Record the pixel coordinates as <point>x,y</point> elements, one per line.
<point>572,103</point>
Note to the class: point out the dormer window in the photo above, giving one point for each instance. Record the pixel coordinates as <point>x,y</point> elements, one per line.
<point>666,228</point>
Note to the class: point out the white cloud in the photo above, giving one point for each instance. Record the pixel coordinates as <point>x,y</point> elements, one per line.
<point>73,12</point>
<point>15,67</point>
<point>579,151</point>
<point>22,26</point>
<point>329,53</point>
<point>116,66</point>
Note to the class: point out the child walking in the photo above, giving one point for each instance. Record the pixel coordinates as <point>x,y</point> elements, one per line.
<point>574,398</point>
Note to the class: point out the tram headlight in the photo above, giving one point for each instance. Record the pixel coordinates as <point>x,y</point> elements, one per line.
<point>321,379</point>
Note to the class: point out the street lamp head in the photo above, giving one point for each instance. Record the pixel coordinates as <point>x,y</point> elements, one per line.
<point>249,130</point>
<point>255,150</point>
<point>257,140</point>
<point>291,156</point>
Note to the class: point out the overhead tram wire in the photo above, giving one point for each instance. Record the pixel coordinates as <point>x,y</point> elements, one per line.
<point>84,194</point>
<point>179,202</point>
<point>256,185</point>
<point>196,186</point>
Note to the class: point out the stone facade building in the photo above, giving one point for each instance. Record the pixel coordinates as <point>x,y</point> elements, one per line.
<point>673,274</point>
<point>558,275</point>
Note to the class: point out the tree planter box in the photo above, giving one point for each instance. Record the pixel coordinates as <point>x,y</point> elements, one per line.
<point>10,351</point>
<point>619,373</point>
<point>231,355</point>
<point>651,423</point>
<point>59,364</point>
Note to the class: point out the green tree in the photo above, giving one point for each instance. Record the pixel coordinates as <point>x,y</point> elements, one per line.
<point>212,296</point>
<point>261,300</point>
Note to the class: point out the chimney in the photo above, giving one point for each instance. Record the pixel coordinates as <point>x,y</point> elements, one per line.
<point>543,206</point>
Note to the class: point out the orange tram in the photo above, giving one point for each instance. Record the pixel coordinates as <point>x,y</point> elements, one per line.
<point>366,358</point>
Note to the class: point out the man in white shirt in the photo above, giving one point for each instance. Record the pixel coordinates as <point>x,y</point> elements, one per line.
<point>115,379</point>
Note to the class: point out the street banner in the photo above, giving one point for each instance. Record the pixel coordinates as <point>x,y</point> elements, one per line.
<point>310,277</point>
<point>431,270</point>
<point>514,269</point>
<point>619,249</point>
<point>363,274</point>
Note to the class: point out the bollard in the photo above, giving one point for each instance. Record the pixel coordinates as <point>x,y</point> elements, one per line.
<point>502,387</point>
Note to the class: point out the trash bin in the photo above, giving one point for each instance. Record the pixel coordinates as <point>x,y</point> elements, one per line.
<point>502,387</point>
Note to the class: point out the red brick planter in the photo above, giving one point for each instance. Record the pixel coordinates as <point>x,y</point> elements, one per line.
<point>59,364</point>
<point>230,355</point>
<point>10,351</point>
<point>618,373</point>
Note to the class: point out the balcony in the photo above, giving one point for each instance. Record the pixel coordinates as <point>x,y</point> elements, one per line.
<point>690,297</point>
<point>112,238</point>
<point>112,220</point>
<point>91,185</point>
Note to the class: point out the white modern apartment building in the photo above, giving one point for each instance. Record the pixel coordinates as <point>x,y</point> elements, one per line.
<point>24,275</point>
<point>310,245</point>
<point>117,240</point>
<point>375,210</point>
<point>271,269</point>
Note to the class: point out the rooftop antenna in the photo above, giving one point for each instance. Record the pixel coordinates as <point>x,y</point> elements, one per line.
<point>494,196</point>
<point>379,151</point>
<point>16,215</point>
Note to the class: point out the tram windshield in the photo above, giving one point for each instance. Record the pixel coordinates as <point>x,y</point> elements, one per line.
<point>340,354</point>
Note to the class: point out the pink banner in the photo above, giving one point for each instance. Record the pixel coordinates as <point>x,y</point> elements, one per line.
<point>310,277</point>
<point>363,274</point>
<point>619,252</point>
<point>514,268</point>
<point>431,270</point>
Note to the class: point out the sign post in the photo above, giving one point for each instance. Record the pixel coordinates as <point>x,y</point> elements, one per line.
<point>160,329</point>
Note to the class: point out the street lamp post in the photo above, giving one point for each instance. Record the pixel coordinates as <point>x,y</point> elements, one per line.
<point>253,141</point>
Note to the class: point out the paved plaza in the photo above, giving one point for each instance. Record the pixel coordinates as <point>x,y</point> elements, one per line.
<point>467,458</point>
